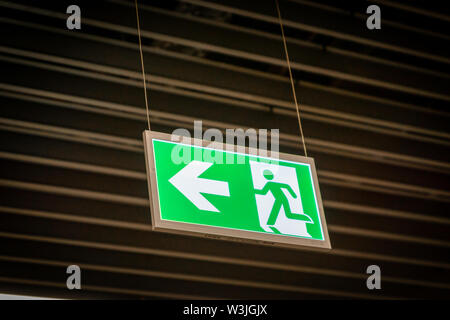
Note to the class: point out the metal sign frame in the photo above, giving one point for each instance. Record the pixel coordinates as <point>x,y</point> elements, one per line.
<point>223,233</point>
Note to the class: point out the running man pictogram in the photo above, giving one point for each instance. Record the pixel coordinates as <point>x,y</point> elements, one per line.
<point>281,201</point>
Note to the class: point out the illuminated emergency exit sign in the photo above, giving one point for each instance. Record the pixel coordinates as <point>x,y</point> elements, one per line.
<point>201,188</point>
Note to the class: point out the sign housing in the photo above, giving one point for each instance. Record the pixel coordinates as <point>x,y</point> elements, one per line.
<point>201,188</point>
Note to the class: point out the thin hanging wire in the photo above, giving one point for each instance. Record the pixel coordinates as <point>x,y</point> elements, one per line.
<point>142,63</point>
<point>290,76</point>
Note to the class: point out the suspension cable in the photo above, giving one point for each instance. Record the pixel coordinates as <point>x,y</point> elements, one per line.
<point>291,78</point>
<point>142,63</point>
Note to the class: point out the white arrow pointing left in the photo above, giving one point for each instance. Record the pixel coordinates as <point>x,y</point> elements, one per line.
<point>191,186</point>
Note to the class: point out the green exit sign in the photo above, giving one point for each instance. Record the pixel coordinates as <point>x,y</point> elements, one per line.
<point>205,188</point>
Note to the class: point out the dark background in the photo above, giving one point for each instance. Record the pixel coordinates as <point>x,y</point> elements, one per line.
<point>375,114</point>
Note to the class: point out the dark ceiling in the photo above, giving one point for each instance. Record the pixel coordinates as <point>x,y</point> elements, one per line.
<point>375,112</point>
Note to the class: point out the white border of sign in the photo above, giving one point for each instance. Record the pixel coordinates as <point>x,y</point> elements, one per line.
<point>219,232</point>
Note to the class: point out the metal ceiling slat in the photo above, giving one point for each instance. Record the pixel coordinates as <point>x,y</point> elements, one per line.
<point>104,255</point>
<point>129,174</point>
<point>305,87</point>
<point>384,41</point>
<point>400,130</point>
<point>393,284</point>
<point>79,193</point>
<point>329,48</point>
<point>119,141</point>
<point>411,8</point>
<point>142,176</point>
<point>195,278</point>
<point>378,154</point>
<point>314,141</point>
<point>98,169</point>
<point>130,292</point>
<point>391,20</point>
<point>220,65</point>
<point>64,198</point>
<point>135,201</point>
<point>67,236</point>
<point>59,241</point>
<point>360,181</point>
<point>215,259</point>
<point>205,247</point>
<point>244,263</point>
<point>238,52</point>
<point>74,186</point>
